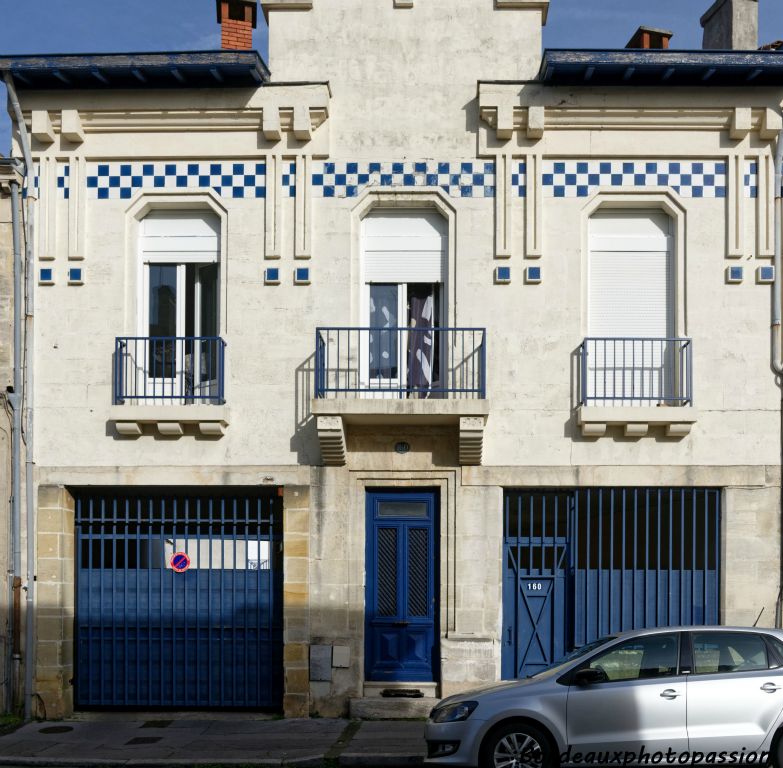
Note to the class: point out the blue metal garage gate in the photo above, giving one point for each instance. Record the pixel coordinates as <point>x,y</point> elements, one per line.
<point>583,563</point>
<point>179,598</point>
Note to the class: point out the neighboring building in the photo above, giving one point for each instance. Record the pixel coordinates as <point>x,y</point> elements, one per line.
<point>424,360</point>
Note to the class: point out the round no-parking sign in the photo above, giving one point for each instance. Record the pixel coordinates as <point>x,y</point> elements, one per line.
<point>180,562</point>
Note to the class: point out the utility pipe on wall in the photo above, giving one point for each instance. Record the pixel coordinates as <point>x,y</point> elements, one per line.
<point>15,400</point>
<point>29,651</point>
<point>777,352</point>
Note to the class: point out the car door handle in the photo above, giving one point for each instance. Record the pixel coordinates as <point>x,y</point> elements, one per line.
<point>670,693</point>
<point>770,687</point>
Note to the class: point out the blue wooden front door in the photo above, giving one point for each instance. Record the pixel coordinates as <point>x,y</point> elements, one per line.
<point>401,600</point>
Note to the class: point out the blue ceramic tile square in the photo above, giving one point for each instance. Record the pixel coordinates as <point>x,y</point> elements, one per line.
<point>75,276</point>
<point>532,274</point>
<point>46,276</point>
<point>272,276</point>
<point>502,274</point>
<point>765,274</point>
<point>734,274</point>
<point>302,275</point>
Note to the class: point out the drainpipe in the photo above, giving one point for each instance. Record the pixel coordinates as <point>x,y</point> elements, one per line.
<point>29,640</point>
<point>777,352</point>
<point>15,401</point>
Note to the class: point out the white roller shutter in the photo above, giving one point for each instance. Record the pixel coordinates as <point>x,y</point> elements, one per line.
<point>180,236</point>
<point>404,247</point>
<point>630,275</point>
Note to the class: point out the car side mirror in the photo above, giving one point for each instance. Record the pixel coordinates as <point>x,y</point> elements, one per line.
<point>589,676</point>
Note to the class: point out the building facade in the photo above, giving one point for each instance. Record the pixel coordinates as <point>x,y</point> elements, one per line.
<point>412,365</point>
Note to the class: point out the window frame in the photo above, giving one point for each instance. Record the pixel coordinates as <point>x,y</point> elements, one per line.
<point>759,635</point>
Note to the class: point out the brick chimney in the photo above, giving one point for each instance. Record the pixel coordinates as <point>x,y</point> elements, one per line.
<point>237,19</point>
<point>731,25</point>
<point>649,37</point>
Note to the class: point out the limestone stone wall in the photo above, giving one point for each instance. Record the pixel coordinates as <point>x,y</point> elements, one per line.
<point>54,603</point>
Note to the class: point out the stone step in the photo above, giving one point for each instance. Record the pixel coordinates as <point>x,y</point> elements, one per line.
<point>377,689</point>
<point>381,708</point>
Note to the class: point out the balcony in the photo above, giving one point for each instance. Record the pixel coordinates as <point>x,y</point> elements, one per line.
<point>636,383</point>
<point>400,376</point>
<point>170,382</point>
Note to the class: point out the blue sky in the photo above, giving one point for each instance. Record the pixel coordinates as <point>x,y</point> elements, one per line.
<point>95,26</point>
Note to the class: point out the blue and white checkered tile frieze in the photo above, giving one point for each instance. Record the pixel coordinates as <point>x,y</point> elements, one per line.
<point>229,178</point>
<point>289,178</point>
<point>471,178</point>
<point>519,179</point>
<point>580,178</point>
<point>751,179</point>
<point>64,180</point>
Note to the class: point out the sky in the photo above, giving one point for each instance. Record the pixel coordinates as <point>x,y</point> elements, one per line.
<point>104,26</point>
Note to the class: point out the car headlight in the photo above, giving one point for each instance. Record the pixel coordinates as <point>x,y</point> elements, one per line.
<point>453,713</point>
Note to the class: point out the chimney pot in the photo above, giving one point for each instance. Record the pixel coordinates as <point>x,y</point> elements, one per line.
<point>650,38</point>
<point>237,19</point>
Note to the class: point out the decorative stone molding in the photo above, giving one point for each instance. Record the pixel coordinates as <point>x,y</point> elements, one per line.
<point>42,128</point>
<point>636,422</point>
<point>471,439</point>
<point>170,420</point>
<point>331,436</point>
<point>403,3</point>
<point>527,5</point>
<point>334,416</point>
<point>71,126</point>
<point>285,5</point>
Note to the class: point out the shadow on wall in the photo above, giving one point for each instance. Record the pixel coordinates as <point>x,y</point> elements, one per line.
<point>304,441</point>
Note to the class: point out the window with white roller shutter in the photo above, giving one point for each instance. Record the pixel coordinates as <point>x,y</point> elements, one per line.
<point>630,296</point>
<point>630,274</point>
<point>404,257</point>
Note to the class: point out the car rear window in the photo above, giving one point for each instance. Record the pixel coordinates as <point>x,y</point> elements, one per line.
<point>728,652</point>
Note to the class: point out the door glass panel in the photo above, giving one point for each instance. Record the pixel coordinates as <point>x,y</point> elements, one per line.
<point>387,572</point>
<point>402,509</point>
<point>384,354</point>
<point>208,322</point>
<point>162,319</point>
<point>418,566</point>
<point>720,652</point>
<point>640,659</point>
<point>423,353</point>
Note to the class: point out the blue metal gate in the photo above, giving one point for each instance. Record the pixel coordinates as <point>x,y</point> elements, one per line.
<point>150,636</point>
<point>583,563</point>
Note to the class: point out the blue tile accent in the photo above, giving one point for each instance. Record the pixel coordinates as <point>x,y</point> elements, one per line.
<point>532,274</point>
<point>734,274</point>
<point>581,178</point>
<point>751,179</point>
<point>765,274</point>
<point>272,275</point>
<point>289,178</point>
<point>458,179</point>
<point>302,275</point>
<point>116,181</point>
<point>75,275</point>
<point>519,179</point>
<point>502,274</point>
<point>46,275</point>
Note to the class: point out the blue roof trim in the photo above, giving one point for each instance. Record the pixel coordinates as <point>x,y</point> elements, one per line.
<point>636,67</point>
<point>186,69</point>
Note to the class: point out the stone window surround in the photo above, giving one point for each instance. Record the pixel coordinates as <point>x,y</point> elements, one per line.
<point>636,422</point>
<point>169,421</point>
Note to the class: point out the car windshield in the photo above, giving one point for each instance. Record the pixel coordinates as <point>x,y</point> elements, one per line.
<point>577,653</point>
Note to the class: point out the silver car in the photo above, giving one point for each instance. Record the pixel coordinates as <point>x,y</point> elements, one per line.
<point>667,696</point>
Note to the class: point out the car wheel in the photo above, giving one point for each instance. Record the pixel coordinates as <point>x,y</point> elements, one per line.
<point>516,745</point>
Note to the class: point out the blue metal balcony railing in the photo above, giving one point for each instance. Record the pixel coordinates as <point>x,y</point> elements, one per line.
<point>636,371</point>
<point>444,363</point>
<point>178,370</point>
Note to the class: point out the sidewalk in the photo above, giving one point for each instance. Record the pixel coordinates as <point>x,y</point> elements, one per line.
<point>195,739</point>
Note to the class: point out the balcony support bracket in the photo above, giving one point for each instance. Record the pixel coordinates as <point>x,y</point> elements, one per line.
<point>331,436</point>
<point>471,440</point>
<point>636,422</point>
